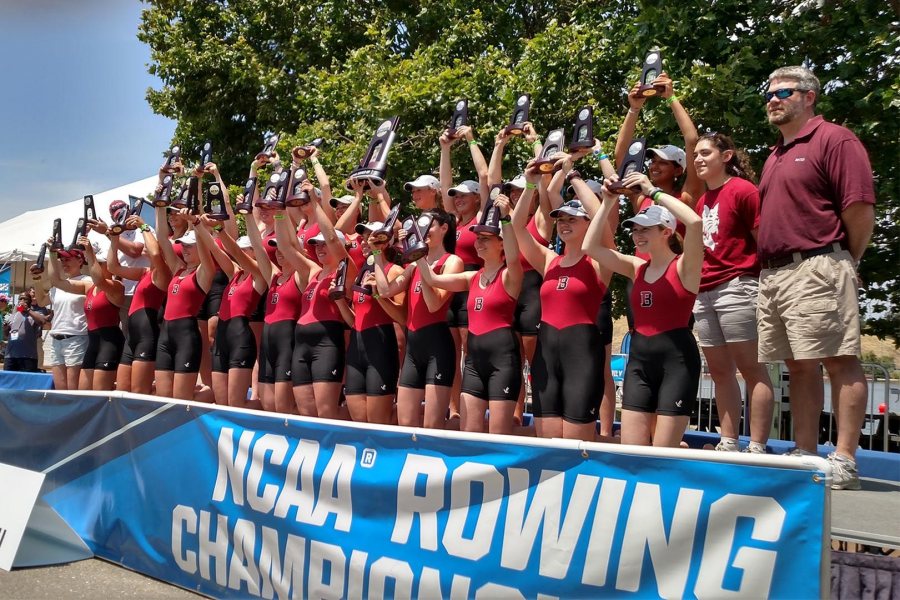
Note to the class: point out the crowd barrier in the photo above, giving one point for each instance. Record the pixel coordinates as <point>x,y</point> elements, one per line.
<point>233,503</point>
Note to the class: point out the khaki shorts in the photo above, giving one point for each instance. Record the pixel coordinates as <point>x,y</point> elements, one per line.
<point>727,313</point>
<point>809,309</point>
<point>68,352</point>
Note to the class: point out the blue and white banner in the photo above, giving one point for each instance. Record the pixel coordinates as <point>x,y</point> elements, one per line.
<point>235,504</point>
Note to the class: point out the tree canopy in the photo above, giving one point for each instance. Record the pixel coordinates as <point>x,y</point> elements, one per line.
<point>235,69</point>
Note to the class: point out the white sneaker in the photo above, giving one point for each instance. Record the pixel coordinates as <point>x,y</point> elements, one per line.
<point>754,449</point>
<point>795,451</point>
<point>844,475</point>
<point>727,446</point>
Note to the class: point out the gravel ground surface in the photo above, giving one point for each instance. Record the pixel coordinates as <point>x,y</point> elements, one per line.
<point>85,579</point>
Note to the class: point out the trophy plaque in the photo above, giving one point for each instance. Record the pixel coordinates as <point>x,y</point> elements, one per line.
<point>90,211</point>
<point>268,196</point>
<point>414,246</point>
<point>135,204</point>
<point>215,203</point>
<point>246,207</point>
<point>57,243</point>
<point>583,135</point>
<point>80,230</point>
<point>193,199</point>
<point>552,145</point>
<point>373,166</point>
<point>303,152</point>
<point>39,263</point>
<point>651,70</point>
<point>634,161</point>
<point>519,116</point>
<point>490,216</point>
<point>295,195</point>
<point>181,200</point>
<point>171,164</point>
<point>164,197</point>
<point>384,234</point>
<point>340,281</point>
<point>118,223</point>
<point>459,118</point>
<point>205,156</point>
<point>368,267</point>
<point>268,151</point>
<point>281,182</point>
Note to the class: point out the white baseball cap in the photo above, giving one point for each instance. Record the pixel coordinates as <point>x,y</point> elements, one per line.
<point>189,238</point>
<point>244,242</point>
<point>423,181</point>
<point>572,207</point>
<point>466,187</point>
<point>596,187</point>
<point>671,153</point>
<point>345,200</point>
<point>320,239</point>
<point>371,227</point>
<point>652,216</point>
<point>518,182</point>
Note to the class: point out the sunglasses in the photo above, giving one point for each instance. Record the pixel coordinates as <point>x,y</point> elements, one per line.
<point>782,93</point>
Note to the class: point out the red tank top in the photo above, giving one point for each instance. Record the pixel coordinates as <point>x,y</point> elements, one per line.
<point>465,245</point>
<point>533,230</point>
<point>317,306</point>
<point>270,250</point>
<point>304,235</point>
<point>99,311</point>
<point>355,250</point>
<point>368,311</point>
<point>417,313</point>
<point>239,299</point>
<point>571,295</point>
<point>489,308</point>
<point>284,300</point>
<point>146,295</point>
<point>663,305</point>
<point>185,297</point>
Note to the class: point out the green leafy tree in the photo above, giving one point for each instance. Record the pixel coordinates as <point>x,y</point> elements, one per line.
<point>232,71</point>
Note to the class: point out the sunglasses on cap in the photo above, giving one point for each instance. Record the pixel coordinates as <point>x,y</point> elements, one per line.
<point>782,93</point>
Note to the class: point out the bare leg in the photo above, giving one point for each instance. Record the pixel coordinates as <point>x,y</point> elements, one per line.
<point>807,401</point>
<point>104,380</point>
<point>165,383</point>
<point>184,385</point>
<point>608,404</point>
<point>728,392</point>
<point>379,409</point>
<point>238,384</point>
<point>305,400</point>
<point>409,406</point>
<point>472,413</point>
<point>60,380</point>
<point>759,388</point>
<point>848,378</point>
<point>549,427</point>
<point>459,335</point>
<point>220,387</point>
<point>256,328</point>
<point>73,375</point>
<point>669,431</point>
<point>284,398</point>
<point>529,343</point>
<point>85,379</point>
<point>437,400</point>
<point>356,404</point>
<point>142,377</point>
<point>123,378</point>
<point>501,419</point>
<point>207,338</point>
<point>580,431</point>
<point>267,396</point>
<point>637,427</point>
<point>328,398</point>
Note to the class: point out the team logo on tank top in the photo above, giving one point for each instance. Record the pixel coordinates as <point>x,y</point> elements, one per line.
<point>360,297</point>
<point>310,294</point>
<point>479,303</point>
<point>418,288</point>
<point>646,299</point>
<point>275,298</point>
<point>563,282</point>
<point>231,291</point>
<point>175,288</point>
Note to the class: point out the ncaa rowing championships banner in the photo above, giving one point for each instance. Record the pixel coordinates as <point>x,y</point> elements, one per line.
<point>237,504</point>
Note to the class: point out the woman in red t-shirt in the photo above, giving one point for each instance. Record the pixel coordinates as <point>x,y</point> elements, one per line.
<point>428,367</point>
<point>725,310</point>
<point>663,370</point>
<point>493,372</point>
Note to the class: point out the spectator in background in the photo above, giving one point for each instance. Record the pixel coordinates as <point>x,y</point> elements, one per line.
<point>22,329</point>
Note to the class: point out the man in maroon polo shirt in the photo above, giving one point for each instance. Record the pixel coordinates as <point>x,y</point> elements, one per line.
<point>816,217</point>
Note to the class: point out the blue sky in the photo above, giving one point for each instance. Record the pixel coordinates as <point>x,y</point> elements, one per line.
<point>73,118</point>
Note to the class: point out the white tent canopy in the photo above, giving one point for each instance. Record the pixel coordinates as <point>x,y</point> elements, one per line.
<point>21,237</point>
